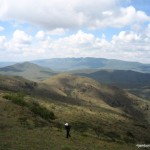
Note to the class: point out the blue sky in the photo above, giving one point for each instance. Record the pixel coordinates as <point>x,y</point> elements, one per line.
<point>37,29</point>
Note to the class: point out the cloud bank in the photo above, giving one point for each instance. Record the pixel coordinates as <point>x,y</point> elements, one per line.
<point>71,13</point>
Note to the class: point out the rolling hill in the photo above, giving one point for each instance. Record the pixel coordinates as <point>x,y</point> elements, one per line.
<point>86,89</point>
<point>67,64</point>
<point>101,116</point>
<point>27,70</point>
<point>135,82</point>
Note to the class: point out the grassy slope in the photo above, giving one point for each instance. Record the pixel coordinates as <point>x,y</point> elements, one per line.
<point>135,82</point>
<point>15,136</point>
<point>99,94</point>
<point>116,129</point>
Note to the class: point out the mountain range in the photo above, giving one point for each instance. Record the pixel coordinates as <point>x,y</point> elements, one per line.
<point>67,64</point>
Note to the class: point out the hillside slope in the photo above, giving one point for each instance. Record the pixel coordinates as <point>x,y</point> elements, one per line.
<point>102,117</point>
<point>135,82</point>
<point>99,94</point>
<point>20,129</point>
<point>120,78</point>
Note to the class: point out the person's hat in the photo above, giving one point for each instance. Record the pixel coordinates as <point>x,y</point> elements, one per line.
<point>66,124</point>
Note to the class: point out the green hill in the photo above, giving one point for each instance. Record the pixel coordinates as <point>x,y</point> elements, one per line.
<point>27,70</point>
<point>102,117</point>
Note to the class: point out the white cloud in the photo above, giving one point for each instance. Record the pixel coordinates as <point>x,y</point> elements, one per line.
<point>121,17</point>
<point>57,31</point>
<point>125,36</point>
<point>56,14</point>
<point>107,13</point>
<point>125,45</point>
<point>2,39</point>
<point>2,43</point>
<point>19,43</point>
<point>40,35</point>
<point>2,28</point>
<point>21,37</point>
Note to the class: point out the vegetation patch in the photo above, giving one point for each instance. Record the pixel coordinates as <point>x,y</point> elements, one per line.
<point>17,98</point>
<point>36,108</point>
<point>42,111</point>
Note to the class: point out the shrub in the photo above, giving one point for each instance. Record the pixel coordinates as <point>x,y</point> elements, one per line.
<point>42,111</point>
<point>17,98</point>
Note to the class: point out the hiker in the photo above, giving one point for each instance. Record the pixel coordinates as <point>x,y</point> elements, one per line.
<point>67,127</point>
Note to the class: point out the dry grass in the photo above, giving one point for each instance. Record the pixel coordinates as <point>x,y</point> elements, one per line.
<point>96,124</point>
<point>15,136</point>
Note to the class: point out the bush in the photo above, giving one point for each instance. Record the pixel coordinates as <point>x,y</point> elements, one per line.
<point>17,98</point>
<point>42,111</point>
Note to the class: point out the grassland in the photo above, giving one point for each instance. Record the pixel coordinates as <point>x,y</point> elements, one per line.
<point>101,117</point>
<point>21,129</point>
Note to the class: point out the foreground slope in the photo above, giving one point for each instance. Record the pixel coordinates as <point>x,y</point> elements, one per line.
<point>20,129</point>
<point>102,117</point>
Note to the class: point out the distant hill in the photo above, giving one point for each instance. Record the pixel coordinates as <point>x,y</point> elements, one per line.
<point>135,82</point>
<point>120,78</point>
<point>27,70</point>
<point>67,64</point>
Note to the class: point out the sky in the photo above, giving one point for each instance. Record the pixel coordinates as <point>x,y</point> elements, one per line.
<point>43,29</point>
